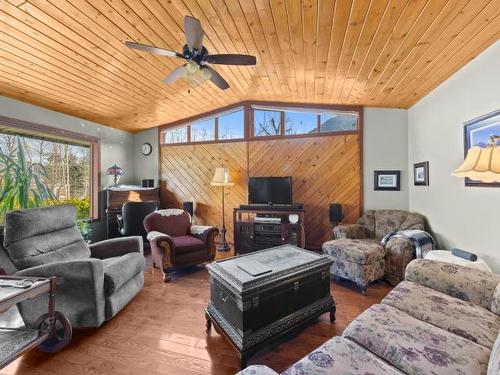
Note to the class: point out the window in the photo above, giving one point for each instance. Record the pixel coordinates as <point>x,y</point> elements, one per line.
<point>176,135</point>
<point>259,120</point>
<point>338,121</point>
<point>266,123</point>
<point>231,125</point>
<point>301,123</point>
<point>203,130</point>
<point>41,169</point>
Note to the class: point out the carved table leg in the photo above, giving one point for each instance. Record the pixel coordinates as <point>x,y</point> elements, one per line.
<point>332,314</point>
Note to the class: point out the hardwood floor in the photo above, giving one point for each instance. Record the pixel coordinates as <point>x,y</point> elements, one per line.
<point>162,331</point>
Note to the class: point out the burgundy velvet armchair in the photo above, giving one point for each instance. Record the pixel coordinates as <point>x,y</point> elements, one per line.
<point>176,243</point>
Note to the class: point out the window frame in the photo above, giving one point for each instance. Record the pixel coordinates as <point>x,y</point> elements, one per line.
<point>248,121</point>
<point>73,137</point>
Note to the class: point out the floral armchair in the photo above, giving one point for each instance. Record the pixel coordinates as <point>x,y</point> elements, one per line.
<point>367,234</point>
<point>176,243</point>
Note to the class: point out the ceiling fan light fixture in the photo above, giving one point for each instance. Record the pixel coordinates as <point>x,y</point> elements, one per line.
<point>205,73</point>
<point>192,67</point>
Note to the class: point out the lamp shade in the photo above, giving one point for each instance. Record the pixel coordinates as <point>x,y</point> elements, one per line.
<point>115,171</point>
<point>221,178</point>
<point>481,164</point>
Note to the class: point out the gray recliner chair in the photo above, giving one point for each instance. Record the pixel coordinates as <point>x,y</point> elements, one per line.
<point>93,282</point>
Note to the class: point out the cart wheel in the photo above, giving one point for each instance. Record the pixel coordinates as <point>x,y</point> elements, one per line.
<point>61,334</point>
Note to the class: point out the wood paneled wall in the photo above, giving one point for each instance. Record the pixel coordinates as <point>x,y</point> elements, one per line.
<point>324,170</point>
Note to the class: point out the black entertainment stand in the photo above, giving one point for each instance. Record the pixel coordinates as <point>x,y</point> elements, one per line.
<point>263,227</point>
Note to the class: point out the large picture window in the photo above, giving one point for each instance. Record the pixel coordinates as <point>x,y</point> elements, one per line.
<point>40,169</point>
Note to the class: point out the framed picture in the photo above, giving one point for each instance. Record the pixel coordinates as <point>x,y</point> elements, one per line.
<point>421,174</point>
<point>477,132</point>
<point>387,180</point>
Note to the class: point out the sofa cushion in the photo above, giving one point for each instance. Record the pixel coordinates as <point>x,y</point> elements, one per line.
<point>43,235</point>
<point>340,356</point>
<point>452,314</point>
<point>413,346</point>
<point>465,283</point>
<point>363,251</point>
<point>494,364</point>
<point>119,270</point>
<point>187,244</point>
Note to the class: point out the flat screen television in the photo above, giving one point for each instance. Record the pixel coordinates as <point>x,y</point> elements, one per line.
<point>270,190</point>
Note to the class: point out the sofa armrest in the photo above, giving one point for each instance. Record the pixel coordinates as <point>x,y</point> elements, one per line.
<point>116,247</point>
<point>206,234</point>
<point>352,231</point>
<point>257,370</point>
<point>162,251</point>
<point>399,252</point>
<point>155,238</point>
<point>466,283</point>
<point>79,292</point>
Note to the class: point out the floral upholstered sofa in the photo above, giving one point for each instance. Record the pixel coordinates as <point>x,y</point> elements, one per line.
<point>443,319</point>
<point>358,254</point>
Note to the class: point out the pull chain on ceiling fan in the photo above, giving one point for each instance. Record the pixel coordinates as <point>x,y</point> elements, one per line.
<point>196,69</point>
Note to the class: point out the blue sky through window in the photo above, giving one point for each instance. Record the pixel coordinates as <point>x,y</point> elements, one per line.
<point>231,125</point>
<point>203,130</point>
<point>300,123</point>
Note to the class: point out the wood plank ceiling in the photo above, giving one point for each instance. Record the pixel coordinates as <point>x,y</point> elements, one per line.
<point>68,55</point>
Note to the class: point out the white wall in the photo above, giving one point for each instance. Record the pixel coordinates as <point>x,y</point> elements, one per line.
<point>464,217</point>
<point>385,147</point>
<point>146,167</point>
<point>115,144</point>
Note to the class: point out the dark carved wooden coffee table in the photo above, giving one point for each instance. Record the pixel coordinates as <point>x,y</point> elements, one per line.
<point>259,299</point>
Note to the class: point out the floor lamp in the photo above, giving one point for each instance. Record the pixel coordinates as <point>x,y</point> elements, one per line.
<point>221,178</point>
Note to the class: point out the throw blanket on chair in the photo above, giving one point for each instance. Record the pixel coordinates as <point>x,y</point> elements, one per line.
<point>422,240</point>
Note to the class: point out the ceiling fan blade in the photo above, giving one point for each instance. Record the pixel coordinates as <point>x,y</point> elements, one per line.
<point>231,59</point>
<point>152,49</point>
<point>175,74</point>
<point>216,78</point>
<point>194,33</point>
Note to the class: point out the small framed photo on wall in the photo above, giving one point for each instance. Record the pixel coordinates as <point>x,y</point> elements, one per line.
<point>387,180</point>
<point>421,174</point>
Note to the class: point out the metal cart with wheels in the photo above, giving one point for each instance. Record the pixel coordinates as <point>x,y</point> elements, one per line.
<point>52,331</point>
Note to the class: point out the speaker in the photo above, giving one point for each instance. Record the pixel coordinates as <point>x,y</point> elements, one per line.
<point>148,183</point>
<point>188,207</point>
<point>336,213</point>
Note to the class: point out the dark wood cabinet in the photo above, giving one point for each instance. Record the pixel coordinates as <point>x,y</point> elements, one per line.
<point>117,196</point>
<point>258,229</point>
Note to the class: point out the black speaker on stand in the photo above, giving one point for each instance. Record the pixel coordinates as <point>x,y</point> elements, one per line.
<point>189,208</point>
<point>335,213</point>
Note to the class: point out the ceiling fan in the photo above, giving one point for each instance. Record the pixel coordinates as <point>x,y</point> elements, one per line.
<point>196,68</point>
